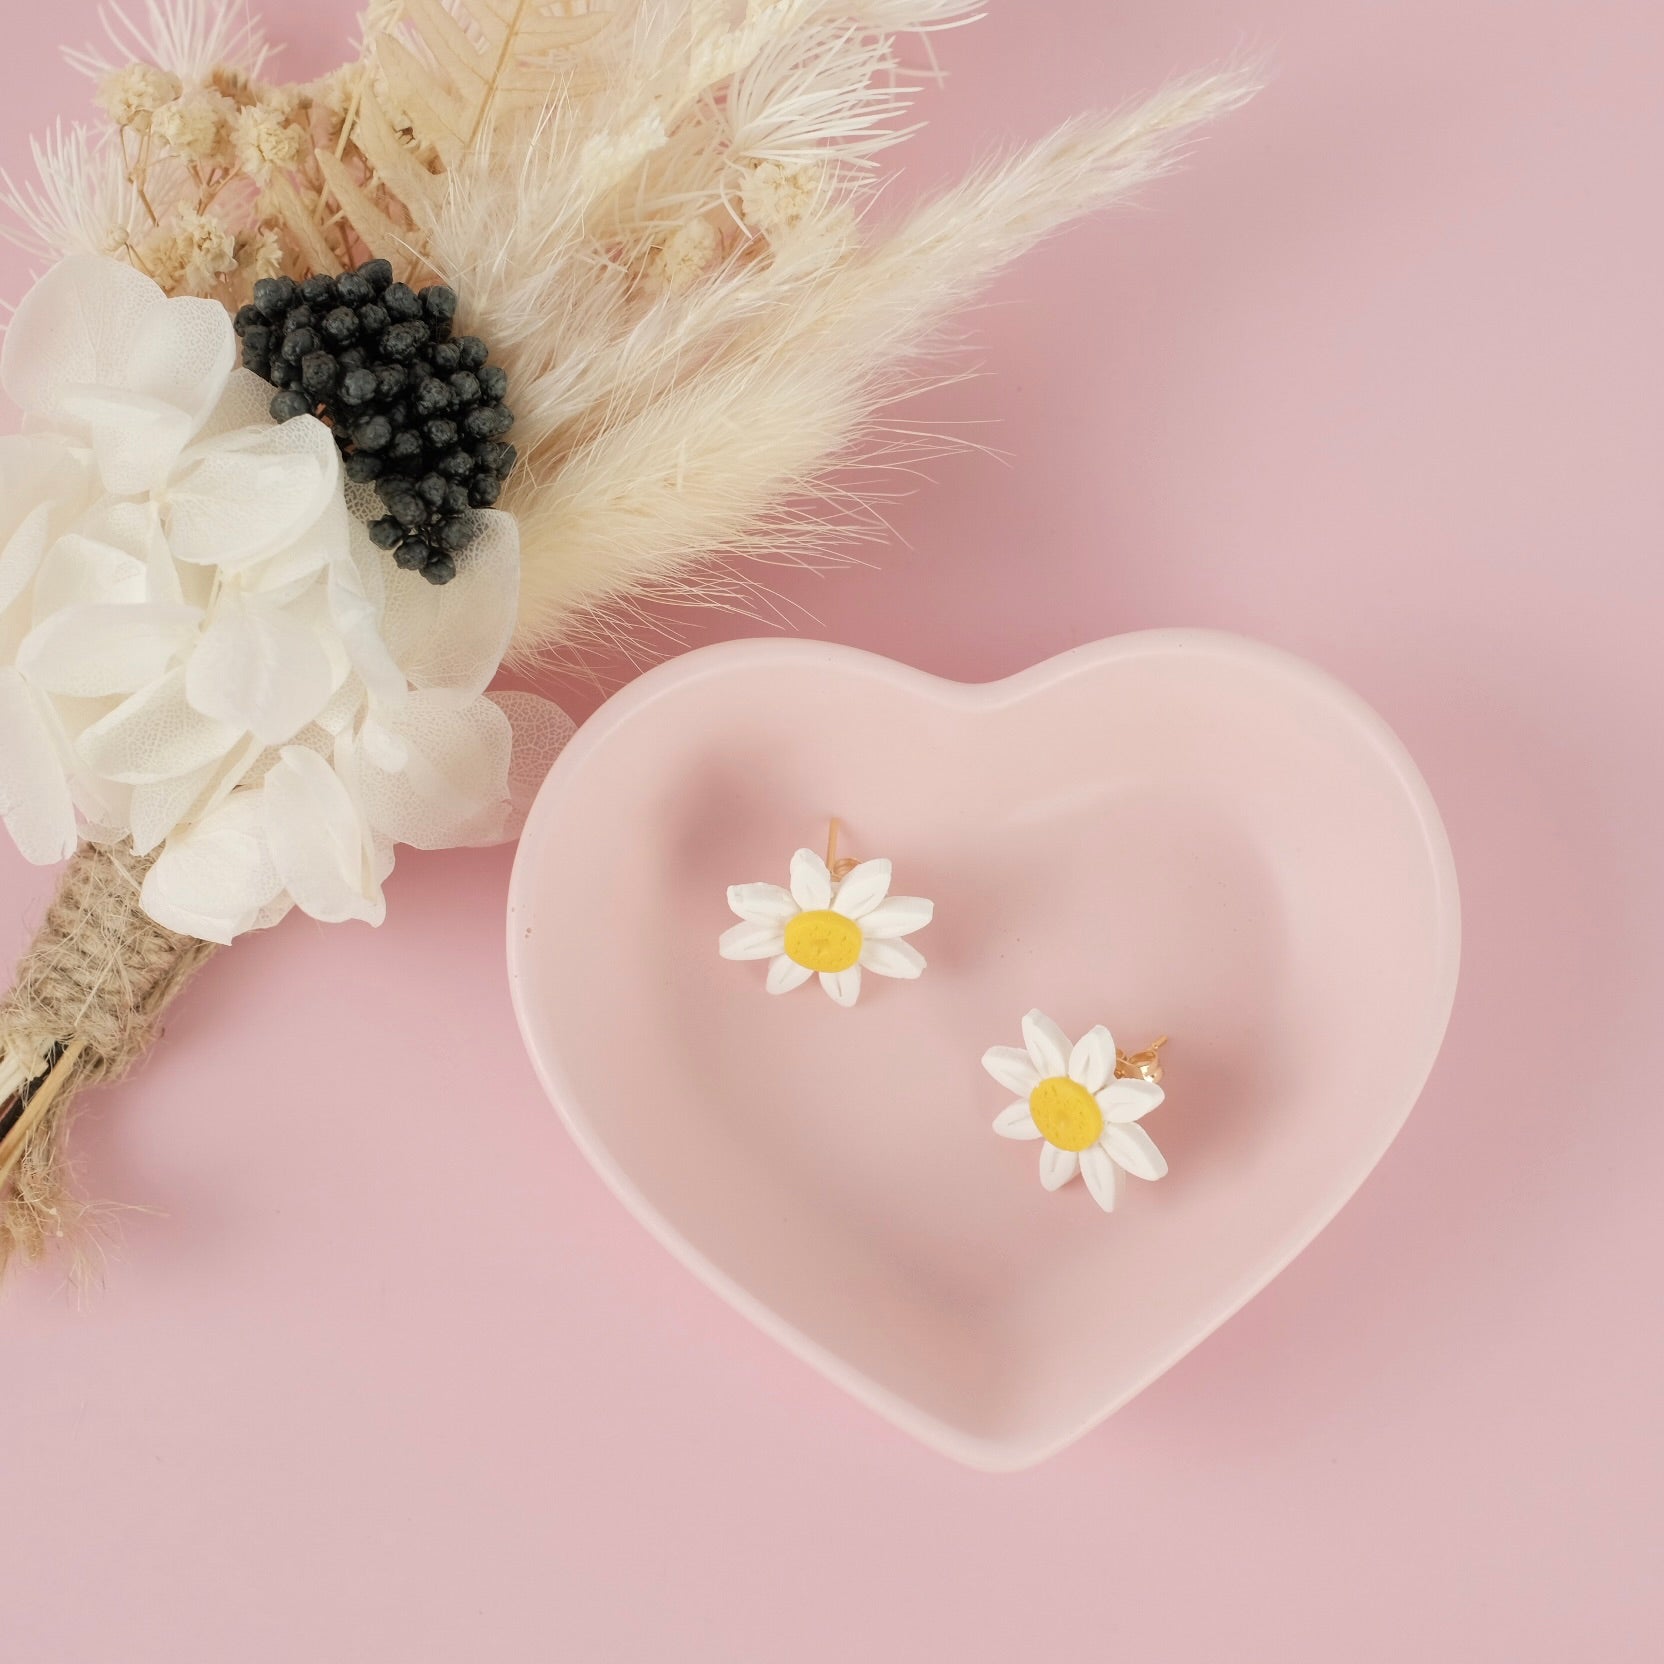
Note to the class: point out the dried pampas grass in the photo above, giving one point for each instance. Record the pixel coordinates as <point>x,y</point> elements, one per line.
<point>663,216</point>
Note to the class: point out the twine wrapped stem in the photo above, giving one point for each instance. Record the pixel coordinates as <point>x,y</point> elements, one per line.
<point>90,990</point>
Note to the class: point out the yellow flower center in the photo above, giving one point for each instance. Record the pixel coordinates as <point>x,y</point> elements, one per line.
<point>1066,1113</point>
<point>823,940</point>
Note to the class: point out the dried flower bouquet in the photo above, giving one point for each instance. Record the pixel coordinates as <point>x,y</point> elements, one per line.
<point>270,383</point>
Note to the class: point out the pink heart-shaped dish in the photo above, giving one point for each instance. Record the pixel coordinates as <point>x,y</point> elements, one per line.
<point>1175,833</point>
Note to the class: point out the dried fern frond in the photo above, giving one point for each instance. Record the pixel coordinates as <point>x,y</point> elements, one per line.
<point>452,69</point>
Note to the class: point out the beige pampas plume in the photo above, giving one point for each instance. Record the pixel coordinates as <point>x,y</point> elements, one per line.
<point>663,217</point>
<point>667,433</point>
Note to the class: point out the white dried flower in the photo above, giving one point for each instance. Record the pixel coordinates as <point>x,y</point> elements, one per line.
<point>260,255</point>
<point>685,256</point>
<point>207,251</point>
<point>779,196</point>
<point>266,139</point>
<point>161,255</point>
<point>133,95</point>
<point>197,126</point>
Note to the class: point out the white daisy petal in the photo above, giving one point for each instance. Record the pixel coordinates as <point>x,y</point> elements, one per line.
<point>785,974</point>
<point>862,888</point>
<point>1133,1149</point>
<point>1047,1044</point>
<point>1057,1167</point>
<point>811,882</point>
<point>762,903</point>
<point>1100,1175</point>
<point>899,959</point>
<point>1015,1121</point>
<point>843,986</point>
<point>751,939</point>
<point>1129,1100</point>
<point>1092,1062</point>
<point>897,916</point>
<point>1012,1067</point>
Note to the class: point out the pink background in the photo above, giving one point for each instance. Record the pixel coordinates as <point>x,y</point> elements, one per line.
<point>386,1374</point>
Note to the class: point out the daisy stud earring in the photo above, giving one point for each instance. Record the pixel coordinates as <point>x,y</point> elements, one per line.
<point>836,920</point>
<point>1083,1102</point>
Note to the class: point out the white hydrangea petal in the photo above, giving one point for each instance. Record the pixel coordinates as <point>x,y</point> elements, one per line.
<point>244,402</point>
<point>136,439</point>
<point>79,570</point>
<point>380,746</point>
<point>1101,1175</point>
<point>900,959</point>
<point>1092,1062</point>
<point>287,574</point>
<point>843,986</point>
<point>810,881</point>
<point>357,597</point>
<point>155,734</point>
<point>1012,1067</point>
<point>1047,1044</point>
<point>43,487</point>
<point>260,671</point>
<point>540,731</point>
<point>453,786</point>
<point>750,940</point>
<point>217,878</point>
<point>34,795</point>
<point>20,561</point>
<point>40,471</point>
<point>75,328</point>
<point>453,636</point>
<point>1057,1166</point>
<point>1134,1149</point>
<point>785,974</point>
<point>90,651</point>
<point>763,903</point>
<point>183,354</point>
<point>898,916</point>
<point>862,888</point>
<point>1129,1100</point>
<point>156,809</point>
<point>1016,1121</point>
<point>291,470</point>
<point>318,839</point>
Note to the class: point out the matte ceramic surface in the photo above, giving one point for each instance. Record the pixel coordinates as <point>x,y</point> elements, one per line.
<point>1174,832</point>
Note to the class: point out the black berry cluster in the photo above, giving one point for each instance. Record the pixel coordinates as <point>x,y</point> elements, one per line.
<point>416,411</point>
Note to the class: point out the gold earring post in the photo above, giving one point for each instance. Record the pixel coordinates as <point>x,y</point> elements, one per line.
<point>1144,1065</point>
<point>839,868</point>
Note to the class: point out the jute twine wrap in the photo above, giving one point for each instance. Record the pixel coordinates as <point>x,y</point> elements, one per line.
<point>90,991</point>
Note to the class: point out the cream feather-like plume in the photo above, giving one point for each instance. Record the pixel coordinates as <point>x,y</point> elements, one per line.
<point>662,214</point>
